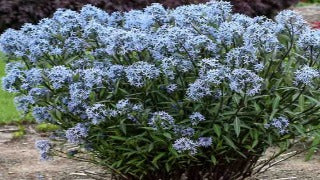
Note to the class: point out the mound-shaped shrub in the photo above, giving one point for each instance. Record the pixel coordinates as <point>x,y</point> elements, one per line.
<point>160,94</point>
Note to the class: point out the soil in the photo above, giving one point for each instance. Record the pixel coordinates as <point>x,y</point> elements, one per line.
<point>296,168</point>
<point>19,160</point>
<point>310,13</point>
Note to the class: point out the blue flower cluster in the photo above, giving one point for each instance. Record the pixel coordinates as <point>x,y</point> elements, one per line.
<point>44,147</point>
<point>306,75</point>
<point>186,144</point>
<point>155,67</point>
<point>281,124</point>
<point>77,134</point>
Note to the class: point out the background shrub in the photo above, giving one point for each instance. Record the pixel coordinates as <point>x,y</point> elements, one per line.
<point>267,8</point>
<point>14,13</point>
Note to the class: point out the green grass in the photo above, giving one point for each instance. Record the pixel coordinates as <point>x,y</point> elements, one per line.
<point>304,4</point>
<point>46,127</point>
<point>8,112</point>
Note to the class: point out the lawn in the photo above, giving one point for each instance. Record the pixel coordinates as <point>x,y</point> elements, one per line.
<point>8,112</point>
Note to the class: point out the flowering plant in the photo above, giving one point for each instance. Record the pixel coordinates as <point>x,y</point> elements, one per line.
<point>159,93</point>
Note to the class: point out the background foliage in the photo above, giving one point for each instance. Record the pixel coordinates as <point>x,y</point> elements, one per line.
<point>14,13</point>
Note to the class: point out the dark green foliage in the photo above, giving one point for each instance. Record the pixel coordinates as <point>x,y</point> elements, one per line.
<point>261,7</point>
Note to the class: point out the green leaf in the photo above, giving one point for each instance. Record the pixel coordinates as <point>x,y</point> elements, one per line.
<point>123,127</point>
<point>118,138</point>
<point>313,99</point>
<point>230,142</point>
<point>315,143</point>
<point>155,159</point>
<point>237,127</point>
<point>59,115</point>
<point>276,101</point>
<point>217,129</point>
<point>167,166</point>
<point>257,107</point>
<point>150,147</point>
<point>301,103</point>
<point>213,160</point>
<point>274,111</point>
<point>167,135</point>
<point>299,129</point>
<point>236,99</point>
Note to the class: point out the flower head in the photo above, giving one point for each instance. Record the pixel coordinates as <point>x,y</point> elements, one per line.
<point>196,117</point>
<point>161,119</point>
<point>185,144</point>
<point>44,147</point>
<point>281,124</point>
<point>77,134</point>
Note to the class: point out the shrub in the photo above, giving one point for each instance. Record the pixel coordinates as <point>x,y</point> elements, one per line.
<point>267,8</point>
<point>159,94</point>
<point>15,13</point>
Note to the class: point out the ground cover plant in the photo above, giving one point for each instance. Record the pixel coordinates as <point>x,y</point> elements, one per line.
<point>194,91</point>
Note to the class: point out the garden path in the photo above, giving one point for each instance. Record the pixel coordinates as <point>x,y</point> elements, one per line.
<point>310,13</point>
<point>19,160</point>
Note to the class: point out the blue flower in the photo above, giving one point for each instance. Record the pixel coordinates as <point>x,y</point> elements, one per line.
<point>281,124</point>
<point>184,131</point>
<point>123,105</point>
<point>41,114</point>
<point>171,88</point>
<point>79,93</point>
<point>138,19</point>
<point>306,76</point>
<point>244,80</point>
<point>74,45</point>
<point>14,77</point>
<point>14,42</point>
<point>161,119</point>
<point>115,72</point>
<point>24,103</point>
<point>185,144</point>
<point>34,77</point>
<point>139,72</point>
<point>158,12</point>
<point>242,56</point>
<point>89,12</point>
<point>37,93</point>
<point>290,21</point>
<point>205,141</point>
<point>77,134</point>
<point>44,147</point>
<point>59,76</point>
<point>93,77</point>
<point>229,31</point>
<point>263,36</point>
<point>199,89</point>
<point>196,117</point>
<point>172,66</point>
<point>309,39</point>
<point>97,113</point>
